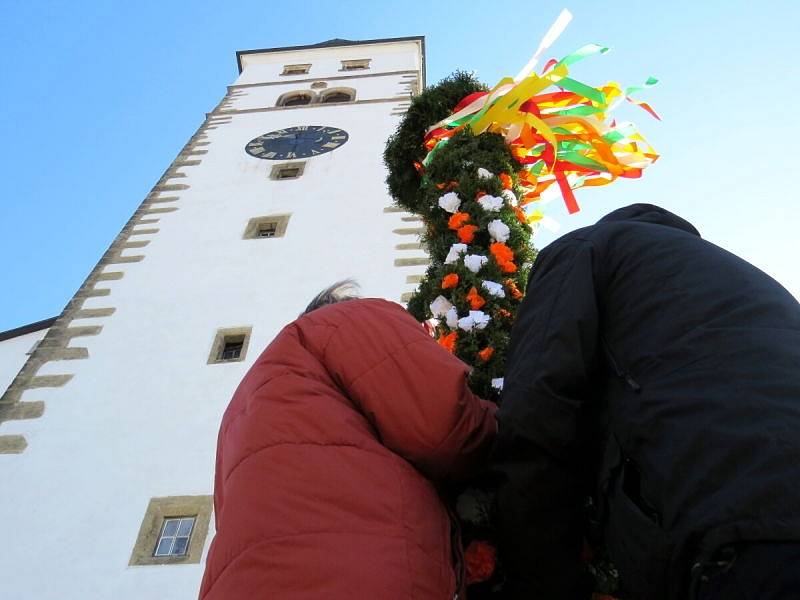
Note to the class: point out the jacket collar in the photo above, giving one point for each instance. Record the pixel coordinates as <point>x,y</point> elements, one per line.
<point>649,213</point>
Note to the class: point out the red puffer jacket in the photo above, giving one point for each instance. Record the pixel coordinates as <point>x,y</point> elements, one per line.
<point>324,456</point>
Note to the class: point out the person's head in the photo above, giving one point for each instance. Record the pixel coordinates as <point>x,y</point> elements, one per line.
<point>347,289</point>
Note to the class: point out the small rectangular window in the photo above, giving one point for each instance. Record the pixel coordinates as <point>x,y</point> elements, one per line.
<point>267,229</point>
<point>355,65</point>
<point>296,69</point>
<point>232,348</point>
<point>270,226</point>
<point>173,531</point>
<point>291,170</point>
<point>288,173</point>
<point>174,538</point>
<point>230,345</point>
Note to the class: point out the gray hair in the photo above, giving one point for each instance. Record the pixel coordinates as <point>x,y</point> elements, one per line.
<point>346,289</point>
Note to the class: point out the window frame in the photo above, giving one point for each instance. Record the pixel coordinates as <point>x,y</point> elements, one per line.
<point>349,92</point>
<point>235,345</point>
<point>220,338</point>
<point>275,171</point>
<point>175,537</point>
<point>288,96</point>
<point>282,174</point>
<point>170,507</point>
<point>301,68</point>
<point>253,225</point>
<point>356,64</point>
<point>270,231</point>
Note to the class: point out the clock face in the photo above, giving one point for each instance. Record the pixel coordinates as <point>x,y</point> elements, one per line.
<point>302,141</point>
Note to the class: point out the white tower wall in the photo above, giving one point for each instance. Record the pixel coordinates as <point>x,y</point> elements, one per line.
<point>132,407</point>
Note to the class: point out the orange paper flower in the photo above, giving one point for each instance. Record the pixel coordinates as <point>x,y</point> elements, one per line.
<point>448,342</point>
<point>467,233</point>
<point>479,559</point>
<point>504,257</point>
<point>457,220</point>
<point>480,195</point>
<point>486,353</point>
<point>520,215</point>
<point>475,299</point>
<point>450,185</point>
<point>501,252</point>
<point>505,179</point>
<point>502,312</point>
<point>449,281</point>
<point>513,289</point>
<point>508,267</point>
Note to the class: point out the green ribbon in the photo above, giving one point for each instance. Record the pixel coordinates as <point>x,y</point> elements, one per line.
<point>651,81</point>
<point>584,90</point>
<point>583,52</point>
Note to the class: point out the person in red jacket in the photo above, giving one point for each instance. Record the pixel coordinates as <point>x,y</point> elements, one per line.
<point>326,458</point>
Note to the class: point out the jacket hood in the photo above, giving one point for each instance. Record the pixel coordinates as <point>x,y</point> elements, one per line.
<point>650,213</point>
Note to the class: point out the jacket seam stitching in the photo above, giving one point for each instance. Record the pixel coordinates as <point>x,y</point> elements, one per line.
<point>405,346</point>
<point>321,444</point>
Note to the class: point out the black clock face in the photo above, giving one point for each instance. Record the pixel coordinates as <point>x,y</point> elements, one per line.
<point>296,142</point>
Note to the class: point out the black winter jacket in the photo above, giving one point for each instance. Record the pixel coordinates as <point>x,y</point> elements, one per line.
<point>660,374</point>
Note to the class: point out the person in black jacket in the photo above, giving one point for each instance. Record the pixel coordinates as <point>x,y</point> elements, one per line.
<point>659,375</point>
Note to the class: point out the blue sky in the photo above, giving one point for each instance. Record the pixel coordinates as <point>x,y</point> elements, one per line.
<point>99,97</point>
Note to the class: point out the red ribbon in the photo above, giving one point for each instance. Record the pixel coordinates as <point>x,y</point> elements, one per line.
<point>468,100</point>
<point>566,192</point>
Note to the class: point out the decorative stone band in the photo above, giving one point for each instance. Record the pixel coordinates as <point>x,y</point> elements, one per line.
<point>414,261</point>
<point>55,346</point>
<point>243,111</point>
<point>406,74</point>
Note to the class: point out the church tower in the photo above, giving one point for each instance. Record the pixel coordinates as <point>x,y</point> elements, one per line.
<point>108,430</point>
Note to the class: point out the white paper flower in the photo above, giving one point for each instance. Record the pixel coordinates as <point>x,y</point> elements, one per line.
<point>484,173</point>
<point>466,323</point>
<point>440,306</point>
<point>509,196</point>
<point>499,231</point>
<point>490,203</point>
<point>456,250</point>
<point>480,318</point>
<point>450,202</point>
<point>451,318</point>
<point>497,383</point>
<point>474,262</point>
<point>495,289</point>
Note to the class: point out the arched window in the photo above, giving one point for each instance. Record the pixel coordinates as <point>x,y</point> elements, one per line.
<point>338,95</point>
<point>295,99</point>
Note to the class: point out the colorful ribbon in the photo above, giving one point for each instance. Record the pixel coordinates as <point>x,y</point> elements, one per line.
<point>563,136</point>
